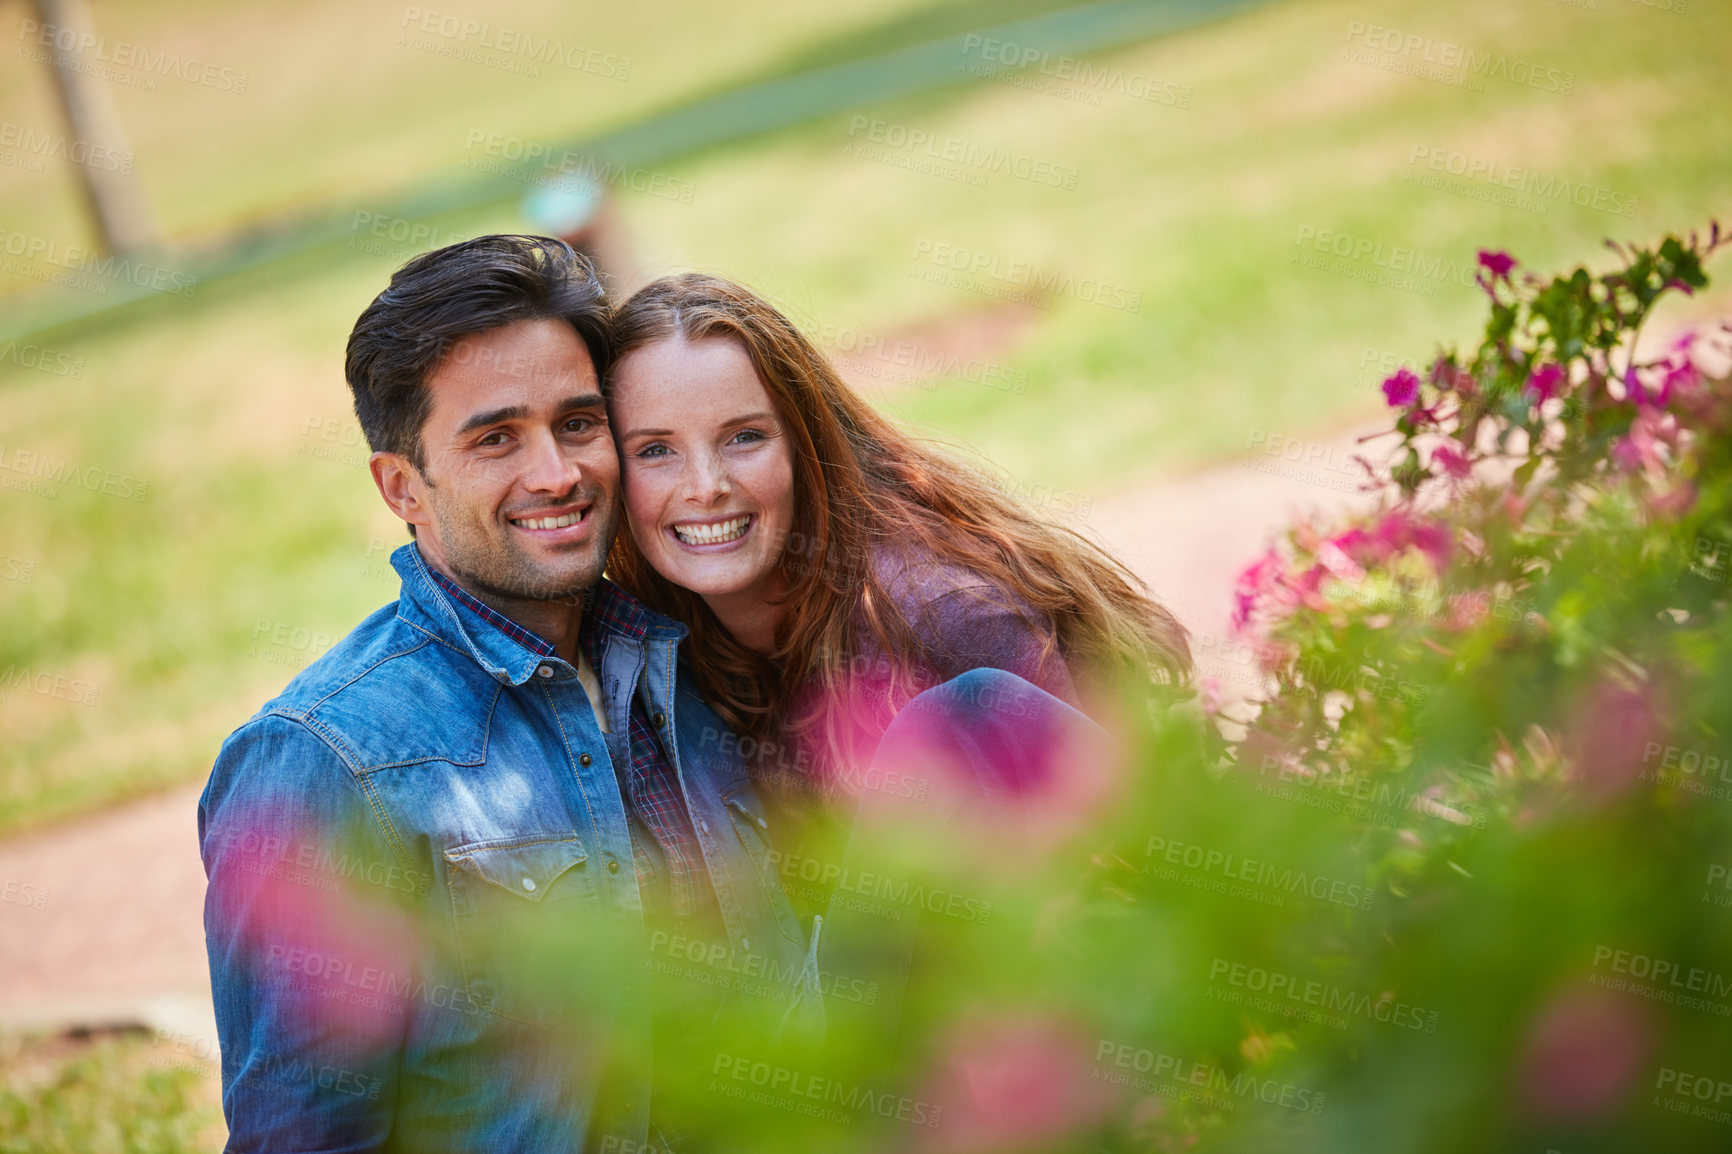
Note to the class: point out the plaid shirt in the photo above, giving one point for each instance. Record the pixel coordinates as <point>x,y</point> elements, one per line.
<point>665,850</point>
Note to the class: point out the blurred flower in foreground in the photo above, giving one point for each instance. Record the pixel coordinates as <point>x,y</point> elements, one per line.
<point>1614,725</point>
<point>1545,382</point>
<point>1582,1054</point>
<point>1017,1084</point>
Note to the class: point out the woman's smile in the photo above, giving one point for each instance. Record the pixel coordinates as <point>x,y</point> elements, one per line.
<point>714,534</point>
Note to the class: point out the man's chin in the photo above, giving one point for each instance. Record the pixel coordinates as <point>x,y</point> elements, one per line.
<point>527,582</point>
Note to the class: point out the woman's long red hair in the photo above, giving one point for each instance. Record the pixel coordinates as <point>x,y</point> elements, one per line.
<point>861,484</point>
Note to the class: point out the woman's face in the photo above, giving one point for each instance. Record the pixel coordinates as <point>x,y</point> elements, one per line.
<point>708,472</point>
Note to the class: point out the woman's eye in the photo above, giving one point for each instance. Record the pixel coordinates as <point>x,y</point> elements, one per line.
<point>652,451</point>
<point>747,437</point>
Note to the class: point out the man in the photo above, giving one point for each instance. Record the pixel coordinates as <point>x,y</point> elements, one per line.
<point>433,856</point>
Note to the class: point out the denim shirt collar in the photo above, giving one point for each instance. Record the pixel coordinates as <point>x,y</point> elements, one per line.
<point>428,607</point>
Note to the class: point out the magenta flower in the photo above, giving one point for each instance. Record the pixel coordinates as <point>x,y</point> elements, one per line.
<point>1402,389</point>
<point>1627,454</point>
<point>1644,393</point>
<point>1253,586</point>
<point>1400,530</point>
<point>1544,382</point>
<point>1498,264</point>
<point>1451,461</point>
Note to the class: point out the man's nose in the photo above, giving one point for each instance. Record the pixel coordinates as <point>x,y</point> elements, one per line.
<point>548,468</point>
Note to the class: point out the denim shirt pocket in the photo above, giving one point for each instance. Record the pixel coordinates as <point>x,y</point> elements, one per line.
<point>513,903</point>
<point>753,831</point>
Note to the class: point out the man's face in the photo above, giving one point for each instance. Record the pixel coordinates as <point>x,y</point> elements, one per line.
<point>519,497</point>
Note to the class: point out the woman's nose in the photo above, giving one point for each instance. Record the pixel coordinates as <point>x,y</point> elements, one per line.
<point>707,479</point>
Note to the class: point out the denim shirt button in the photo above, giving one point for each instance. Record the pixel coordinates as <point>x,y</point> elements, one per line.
<point>544,671</point>
<point>613,867</point>
<point>660,719</point>
<point>529,884</point>
<point>584,759</point>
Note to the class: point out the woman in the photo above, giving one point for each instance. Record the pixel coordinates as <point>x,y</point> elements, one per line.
<point>830,566</point>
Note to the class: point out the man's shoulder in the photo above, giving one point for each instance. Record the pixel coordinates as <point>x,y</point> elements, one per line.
<point>388,693</point>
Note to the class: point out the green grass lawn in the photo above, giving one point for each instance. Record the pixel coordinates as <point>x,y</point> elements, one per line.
<point>116,1093</point>
<point>150,627</point>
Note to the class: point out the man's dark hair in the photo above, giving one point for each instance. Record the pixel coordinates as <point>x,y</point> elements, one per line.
<point>441,297</point>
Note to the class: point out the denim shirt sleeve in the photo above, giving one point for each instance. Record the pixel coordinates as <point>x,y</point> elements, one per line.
<point>309,940</point>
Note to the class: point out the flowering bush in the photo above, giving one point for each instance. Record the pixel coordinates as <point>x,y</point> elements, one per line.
<point>1537,595</point>
<point>1463,878</point>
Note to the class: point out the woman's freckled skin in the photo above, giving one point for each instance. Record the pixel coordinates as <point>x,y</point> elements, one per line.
<point>701,447</point>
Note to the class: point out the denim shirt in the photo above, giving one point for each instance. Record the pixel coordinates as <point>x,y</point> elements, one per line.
<point>423,920</point>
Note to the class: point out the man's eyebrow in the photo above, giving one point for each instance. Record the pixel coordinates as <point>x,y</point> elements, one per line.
<point>521,412</point>
<point>493,417</point>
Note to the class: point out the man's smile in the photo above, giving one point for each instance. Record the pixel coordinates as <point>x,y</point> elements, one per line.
<point>558,525</point>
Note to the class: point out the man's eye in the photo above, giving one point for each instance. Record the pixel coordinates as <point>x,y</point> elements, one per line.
<point>497,437</point>
<point>580,424</point>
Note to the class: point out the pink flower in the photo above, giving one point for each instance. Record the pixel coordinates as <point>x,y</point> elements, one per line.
<point>1498,264</point>
<point>1452,462</point>
<point>1024,1084</point>
<point>1583,1054</point>
<point>1544,382</point>
<point>1433,540</point>
<point>1627,454</point>
<point>1465,610</point>
<point>1253,586</point>
<point>1680,374</point>
<point>1644,448</point>
<point>1400,530</point>
<point>1613,726</point>
<point>1309,587</point>
<point>1402,389</point>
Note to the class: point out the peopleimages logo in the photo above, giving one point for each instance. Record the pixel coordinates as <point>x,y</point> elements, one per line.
<point>921,143</point>
<point>38,473</point>
<point>125,54</point>
<point>1262,879</point>
<point>1482,66</point>
<point>513,49</point>
<point>532,162</point>
<point>1396,259</point>
<point>1076,70</point>
<point>53,146</point>
<point>1016,280</point>
<point>1530,191</point>
<point>83,260</point>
